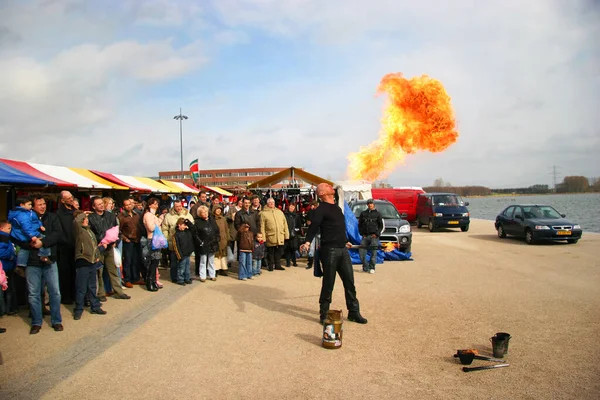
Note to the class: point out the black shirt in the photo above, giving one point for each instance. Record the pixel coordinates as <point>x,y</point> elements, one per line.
<point>330,219</point>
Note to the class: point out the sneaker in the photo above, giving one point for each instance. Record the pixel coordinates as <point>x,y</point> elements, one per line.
<point>122,296</point>
<point>244,279</point>
<point>249,277</point>
<point>77,316</point>
<point>189,282</point>
<point>372,271</point>
<point>98,311</point>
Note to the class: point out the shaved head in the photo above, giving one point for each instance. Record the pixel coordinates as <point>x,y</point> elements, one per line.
<point>325,192</point>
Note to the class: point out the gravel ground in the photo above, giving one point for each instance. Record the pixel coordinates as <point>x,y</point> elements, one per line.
<point>261,339</point>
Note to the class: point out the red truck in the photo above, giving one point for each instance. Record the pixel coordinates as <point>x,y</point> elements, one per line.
<point>403,198</point>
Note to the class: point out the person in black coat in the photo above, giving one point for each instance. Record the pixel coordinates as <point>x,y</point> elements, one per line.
<point>65,250</point>
<point>294,223</point>
<point>183,247</point>
<point>370,225</point>
<point>207,238</point>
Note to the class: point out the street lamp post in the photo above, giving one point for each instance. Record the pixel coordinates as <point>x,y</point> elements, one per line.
<point>181,117</point>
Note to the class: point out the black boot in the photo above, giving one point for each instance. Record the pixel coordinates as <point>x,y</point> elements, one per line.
<point>355,316</point>
<point>323,314</point>
<point>151,285</point>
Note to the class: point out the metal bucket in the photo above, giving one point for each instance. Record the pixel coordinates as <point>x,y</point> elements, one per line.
<point>332,330</point>
<point>500,344</point>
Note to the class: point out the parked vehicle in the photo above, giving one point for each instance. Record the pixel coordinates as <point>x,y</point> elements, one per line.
<point>403,198</point>
<point>395,229</point>
<point>536,223</point>
<point>442,210</point>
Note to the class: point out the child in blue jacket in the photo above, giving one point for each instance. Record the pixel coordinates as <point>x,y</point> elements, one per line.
<point>8,257</point>
<point>27,229</point>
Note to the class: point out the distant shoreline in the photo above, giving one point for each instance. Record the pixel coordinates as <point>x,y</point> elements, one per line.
<point>528,194</point>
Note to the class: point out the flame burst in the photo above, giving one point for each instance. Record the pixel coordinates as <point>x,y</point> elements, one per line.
<point>388,246</point>
<point>418,116</point>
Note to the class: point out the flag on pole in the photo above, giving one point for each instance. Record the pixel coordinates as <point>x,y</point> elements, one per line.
<point>195,171</point>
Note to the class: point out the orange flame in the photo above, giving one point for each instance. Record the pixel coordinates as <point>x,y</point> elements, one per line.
<point>388,246</point>
<point>418,116</point>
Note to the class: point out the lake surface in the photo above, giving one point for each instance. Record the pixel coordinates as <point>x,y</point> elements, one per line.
<point>582,209</point>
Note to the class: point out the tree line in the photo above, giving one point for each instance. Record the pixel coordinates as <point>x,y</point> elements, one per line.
<point>570,184</point>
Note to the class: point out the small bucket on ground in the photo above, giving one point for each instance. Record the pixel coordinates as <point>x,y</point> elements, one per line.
<point>500,344</point>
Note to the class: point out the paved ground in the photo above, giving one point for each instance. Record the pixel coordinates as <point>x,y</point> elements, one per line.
<point>261,339</point>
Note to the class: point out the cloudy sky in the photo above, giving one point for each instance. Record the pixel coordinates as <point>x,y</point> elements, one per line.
<point>96,84</point>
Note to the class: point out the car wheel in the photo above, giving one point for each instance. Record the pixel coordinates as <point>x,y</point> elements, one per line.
<point>529,236</point>
<point>419,224</point>
<point>501,233</point>
<point>464,228</point>
<point>431,226</point>
<point>572,241</point>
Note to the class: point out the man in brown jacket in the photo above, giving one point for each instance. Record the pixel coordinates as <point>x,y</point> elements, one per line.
<point>274,228</point>
<point>129,226</point>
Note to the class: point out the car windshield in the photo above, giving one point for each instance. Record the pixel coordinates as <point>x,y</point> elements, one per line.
<point>545,212</point>
<point>447,200</point>
<point>387,211</point>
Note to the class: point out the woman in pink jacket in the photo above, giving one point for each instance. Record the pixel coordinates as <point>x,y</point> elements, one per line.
<point>151,220</point>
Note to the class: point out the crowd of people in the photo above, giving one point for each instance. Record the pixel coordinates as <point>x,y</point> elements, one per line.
<point>82,257</point>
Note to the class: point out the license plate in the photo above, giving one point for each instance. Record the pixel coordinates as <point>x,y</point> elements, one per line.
<point>563,232</point>
<point>452,222</point>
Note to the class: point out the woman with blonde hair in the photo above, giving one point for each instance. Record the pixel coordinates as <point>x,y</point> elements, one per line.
<point>151,257</point>
<point>221,254</point>
<point>207,237</point>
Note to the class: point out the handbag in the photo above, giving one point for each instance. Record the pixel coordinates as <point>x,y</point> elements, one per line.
<point>117,256</point>
<point>159,241</point>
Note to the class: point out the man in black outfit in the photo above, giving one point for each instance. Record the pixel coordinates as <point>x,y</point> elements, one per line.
<point>370,225</point>
<point>333,253</point>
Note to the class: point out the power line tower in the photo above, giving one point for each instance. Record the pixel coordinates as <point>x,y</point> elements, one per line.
<point>555,175</point>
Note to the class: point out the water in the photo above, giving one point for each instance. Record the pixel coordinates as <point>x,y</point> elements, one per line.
<point>582,209</point>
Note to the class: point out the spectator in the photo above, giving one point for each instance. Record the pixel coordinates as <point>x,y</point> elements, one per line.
<point>221,254</point>
<point>151,257</point>
<point>258,254</point>
<point>87,262</point>
<point>169,227</point>
<point>274,228</point>
<point>8,257</point>
<point>129,226</point>
<point>100,222</point>
<point>183,247</point>
<point>245,239</point>
<point>207,237</point>
<point>66,248</point>
<point>294,222</point>
<point>39,272</point>
<point>370,225</point>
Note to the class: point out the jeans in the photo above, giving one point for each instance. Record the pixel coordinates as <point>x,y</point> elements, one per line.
<point>131,261</point>
<point>49,275</point>
<point>245,267</point>
<point>337,260</point>
<point>183,270</point>
<point>207,261</point>
<point>10,293</point>
<point>86,281</point>
<point>368,243</point>
<point>23,255</point>
<point>256,266</point>
<point>291,245</point>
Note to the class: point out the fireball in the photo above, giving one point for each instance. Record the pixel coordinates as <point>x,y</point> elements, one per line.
<point>418,116</point>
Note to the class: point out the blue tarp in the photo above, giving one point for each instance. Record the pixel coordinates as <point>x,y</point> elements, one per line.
<point>9,174</point>
<point>355,238</point>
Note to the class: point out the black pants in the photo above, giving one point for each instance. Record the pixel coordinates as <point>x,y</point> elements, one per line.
<point>131,263</point>
<point>274,256</point>
<point>173,263</point>
<point>291,245</point>
<point>86,282</point>
<point>11,292</point>
<point>197,258</point>
<point>337,260</point>
<point>65,259</point>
